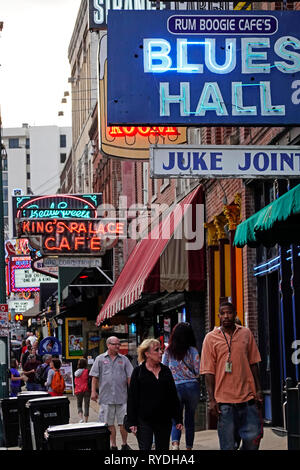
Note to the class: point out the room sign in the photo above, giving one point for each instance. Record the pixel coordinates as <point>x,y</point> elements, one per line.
<point>204,68</point>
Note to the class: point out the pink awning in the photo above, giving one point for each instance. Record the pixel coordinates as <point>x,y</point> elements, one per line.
<point>159,262</point>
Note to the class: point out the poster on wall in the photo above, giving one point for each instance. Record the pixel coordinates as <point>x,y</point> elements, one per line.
<point>74,338</point>
<point>67,373</point>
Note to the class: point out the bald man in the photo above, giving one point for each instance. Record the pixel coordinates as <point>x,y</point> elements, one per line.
<point>111,374</point>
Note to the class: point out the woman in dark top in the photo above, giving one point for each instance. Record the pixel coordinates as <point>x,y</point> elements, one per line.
<point>152,399</point>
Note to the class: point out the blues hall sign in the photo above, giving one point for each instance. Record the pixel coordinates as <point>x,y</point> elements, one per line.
<point>204,68</point>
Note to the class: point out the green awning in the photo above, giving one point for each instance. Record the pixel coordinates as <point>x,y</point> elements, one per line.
<point>278,222</point>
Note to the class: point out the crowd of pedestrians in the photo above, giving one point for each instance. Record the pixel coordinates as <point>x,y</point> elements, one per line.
<point>35,372</point>
<point>157,399</point>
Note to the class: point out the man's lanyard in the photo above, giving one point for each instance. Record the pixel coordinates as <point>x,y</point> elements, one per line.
<point>228,365</point>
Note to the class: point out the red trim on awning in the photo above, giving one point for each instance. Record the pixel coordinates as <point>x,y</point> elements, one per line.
<point>143,263</point>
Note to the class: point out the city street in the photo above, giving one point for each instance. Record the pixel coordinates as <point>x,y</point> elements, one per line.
<point>149,226</point>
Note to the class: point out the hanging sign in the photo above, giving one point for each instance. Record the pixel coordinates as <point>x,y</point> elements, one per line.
<point>204,68</point>
<point>50,345</point>
<point>73,236</point>
<point>129,142</point>
<point>194,161</point>
<point>98,10</point>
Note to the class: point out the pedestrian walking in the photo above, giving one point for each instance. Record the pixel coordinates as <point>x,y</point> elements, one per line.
<point>55,383</point>
<point>229,361</point>
<point>111,374</point>
<point>82,390</point>
<point>152,399</point>
<point>25,354</point>
<point>15,378</point>
<point>29,370</point>
<point>42,372</point>
<point>182,357</point>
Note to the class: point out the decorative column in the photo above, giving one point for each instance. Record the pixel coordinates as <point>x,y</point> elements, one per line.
<point>233,215</point>
<point>212,246</point>
<point>220,221</point>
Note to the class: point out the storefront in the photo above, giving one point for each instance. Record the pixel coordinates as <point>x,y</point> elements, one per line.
<point>276,227</point>
<point>163,281</point>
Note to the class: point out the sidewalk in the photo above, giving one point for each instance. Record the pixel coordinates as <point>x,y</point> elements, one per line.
<point>204,440</point>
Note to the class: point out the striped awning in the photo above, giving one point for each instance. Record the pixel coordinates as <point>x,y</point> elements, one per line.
<point>160,262</point>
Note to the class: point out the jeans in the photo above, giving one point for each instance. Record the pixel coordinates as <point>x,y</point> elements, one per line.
<point>33,387</point>
<point>188,394</point>
<point>239,421</point>
<point>161,432</point>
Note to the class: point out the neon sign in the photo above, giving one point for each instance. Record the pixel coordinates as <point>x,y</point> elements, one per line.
<point>73,236</point>
<point>240,68</point>
<point>117,131</point>
<point>22,278</point>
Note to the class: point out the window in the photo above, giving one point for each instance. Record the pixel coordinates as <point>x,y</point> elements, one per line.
<point>27,159</point>
<point>4,179</point>
<point>145,182</point>
<point>5,193</point>
<point>74,337</point>
<point>166,183</point>
<point>4,164</point>
<point>63,140</point>
<point>63,157</point>
<point>27,145</point>
<point>28,175</point>
<point>13,143</point>
<point>5,209</point>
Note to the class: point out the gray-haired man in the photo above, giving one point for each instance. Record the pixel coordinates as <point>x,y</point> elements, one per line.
<point>111,374</point>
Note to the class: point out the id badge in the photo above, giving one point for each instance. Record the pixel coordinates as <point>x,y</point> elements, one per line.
<point>228,367</point>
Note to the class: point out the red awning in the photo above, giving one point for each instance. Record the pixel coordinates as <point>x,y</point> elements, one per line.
<point>160,262</point>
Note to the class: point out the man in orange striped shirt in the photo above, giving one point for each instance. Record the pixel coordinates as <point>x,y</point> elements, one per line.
<point>229,361</point>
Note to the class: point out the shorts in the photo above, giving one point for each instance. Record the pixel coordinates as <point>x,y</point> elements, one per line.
<point>108,414</point>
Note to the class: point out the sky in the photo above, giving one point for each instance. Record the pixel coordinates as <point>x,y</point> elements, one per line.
<point>34,66</point>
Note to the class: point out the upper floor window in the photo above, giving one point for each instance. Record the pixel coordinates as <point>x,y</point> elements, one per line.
<point>27,145</point>
<point>63,140</point>
<point>13,143</point>
<point>63,157</point>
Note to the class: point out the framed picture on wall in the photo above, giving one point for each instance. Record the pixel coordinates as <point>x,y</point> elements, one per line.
<point>74,337</point>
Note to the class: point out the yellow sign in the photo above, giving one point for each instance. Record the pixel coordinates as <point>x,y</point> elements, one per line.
<point>242,6</point>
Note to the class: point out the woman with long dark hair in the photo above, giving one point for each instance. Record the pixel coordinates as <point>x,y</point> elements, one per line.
<point>182,357</point>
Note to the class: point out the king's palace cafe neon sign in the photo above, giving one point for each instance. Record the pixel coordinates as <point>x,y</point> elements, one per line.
<point>72,236</point>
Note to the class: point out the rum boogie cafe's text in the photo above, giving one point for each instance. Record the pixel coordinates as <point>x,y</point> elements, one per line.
<point>224,161</point>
